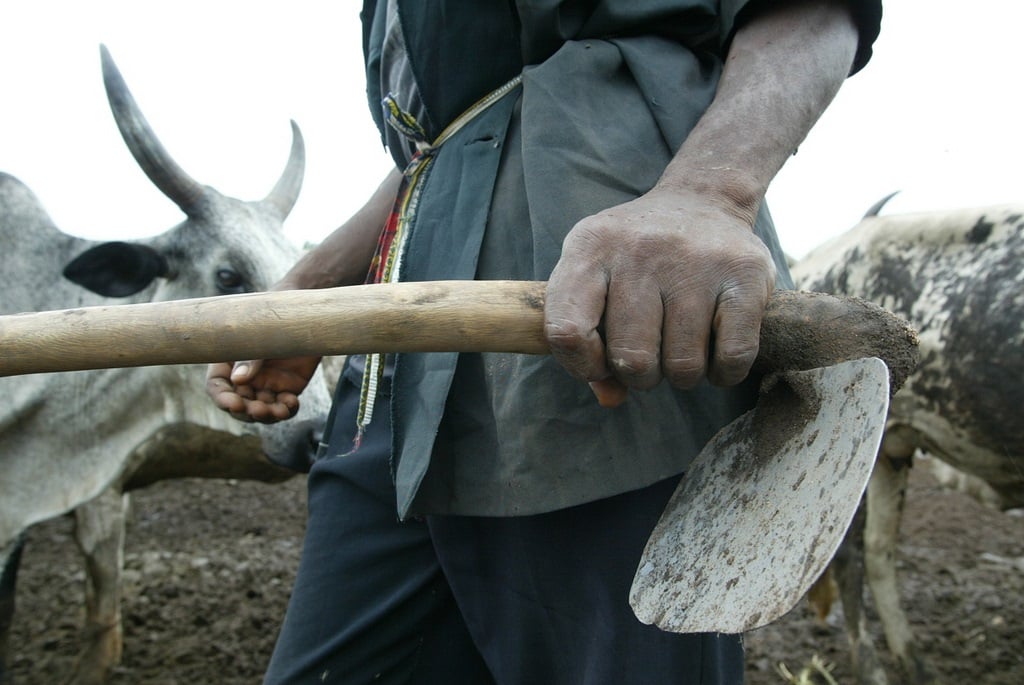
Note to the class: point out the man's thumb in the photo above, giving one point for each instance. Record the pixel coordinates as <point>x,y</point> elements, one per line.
<point>244,371</point>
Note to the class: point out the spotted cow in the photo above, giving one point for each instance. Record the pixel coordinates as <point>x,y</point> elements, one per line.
<point>956,276</point>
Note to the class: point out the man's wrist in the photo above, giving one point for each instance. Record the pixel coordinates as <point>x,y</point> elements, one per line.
<point>729,186</point>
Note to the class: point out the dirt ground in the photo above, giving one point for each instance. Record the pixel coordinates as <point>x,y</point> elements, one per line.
<point>209,566</point>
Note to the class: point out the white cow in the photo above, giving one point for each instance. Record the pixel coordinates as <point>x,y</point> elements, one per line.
<point>79,441</point>
<point>956,276</point>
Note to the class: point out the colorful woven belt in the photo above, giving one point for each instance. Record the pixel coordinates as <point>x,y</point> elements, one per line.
<point>386,265</point>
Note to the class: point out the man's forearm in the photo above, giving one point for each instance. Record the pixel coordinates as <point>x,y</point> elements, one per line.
<point>783,69</point>
<point>343,257</point>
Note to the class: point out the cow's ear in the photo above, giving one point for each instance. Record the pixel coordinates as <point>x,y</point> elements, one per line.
<point>116,269</point>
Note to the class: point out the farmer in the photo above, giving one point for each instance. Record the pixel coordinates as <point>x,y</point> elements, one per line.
<point>478,518</point>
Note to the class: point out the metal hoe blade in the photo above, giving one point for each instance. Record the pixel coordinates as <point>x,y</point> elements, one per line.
<point>762,509</point>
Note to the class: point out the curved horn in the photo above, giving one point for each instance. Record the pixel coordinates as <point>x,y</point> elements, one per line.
<point>874,209</point>
<point>163,171</point>
<point>286,191</point>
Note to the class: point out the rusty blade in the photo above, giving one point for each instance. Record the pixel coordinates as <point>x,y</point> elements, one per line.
<point>762,509</point>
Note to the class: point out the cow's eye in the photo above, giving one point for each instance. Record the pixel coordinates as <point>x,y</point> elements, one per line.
<point>230,282</point>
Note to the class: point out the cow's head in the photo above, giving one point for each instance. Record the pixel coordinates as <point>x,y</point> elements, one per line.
<point>224,246</point>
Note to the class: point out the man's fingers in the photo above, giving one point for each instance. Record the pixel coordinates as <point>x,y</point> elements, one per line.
<point>572,314</point>
<point>221,390</point>
<point>224,396</point>
<point>686,338</point>
<point>267,408</point>
<point>281,405</point>
<point>234,390</point>
<point>737,330</point>
<point>632,332</point>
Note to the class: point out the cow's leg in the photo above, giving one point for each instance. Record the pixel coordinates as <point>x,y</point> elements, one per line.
<point>99,532</point>
<point>10,559</point>
<point>848,567</point>
<point>886,494</point>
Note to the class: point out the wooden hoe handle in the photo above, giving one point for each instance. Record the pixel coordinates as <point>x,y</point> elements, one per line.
<point>800,330</point>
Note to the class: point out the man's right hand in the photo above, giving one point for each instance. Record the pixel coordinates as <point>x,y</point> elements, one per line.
<point>267,390</point>
<point>264,391</point>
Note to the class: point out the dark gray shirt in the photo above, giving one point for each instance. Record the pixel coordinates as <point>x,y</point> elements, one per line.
<point>610,89</point>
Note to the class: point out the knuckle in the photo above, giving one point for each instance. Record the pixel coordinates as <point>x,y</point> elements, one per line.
<point>574,352</point>
<point>685,372</point>
<point>635,368</point>
<point>733,364</point>
<point>749,270</point>
<point>734,354</point>
<point>564,336</point>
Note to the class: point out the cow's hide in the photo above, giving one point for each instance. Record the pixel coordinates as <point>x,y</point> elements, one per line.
<point>74,441</point>
<point>956,276</point>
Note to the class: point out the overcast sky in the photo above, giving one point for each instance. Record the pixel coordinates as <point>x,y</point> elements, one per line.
<point>934,115</point>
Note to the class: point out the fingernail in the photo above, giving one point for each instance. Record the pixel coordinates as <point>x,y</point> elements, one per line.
<point>610,393</point>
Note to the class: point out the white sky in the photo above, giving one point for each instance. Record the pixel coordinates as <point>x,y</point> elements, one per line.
<point>934,115</point>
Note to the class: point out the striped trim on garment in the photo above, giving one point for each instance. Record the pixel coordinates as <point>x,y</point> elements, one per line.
<point>386,265</point>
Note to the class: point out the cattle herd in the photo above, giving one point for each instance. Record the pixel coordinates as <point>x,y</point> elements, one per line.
<point>79,442</point>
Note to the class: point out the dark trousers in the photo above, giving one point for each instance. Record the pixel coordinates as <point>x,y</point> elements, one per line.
<point>454,600</point>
